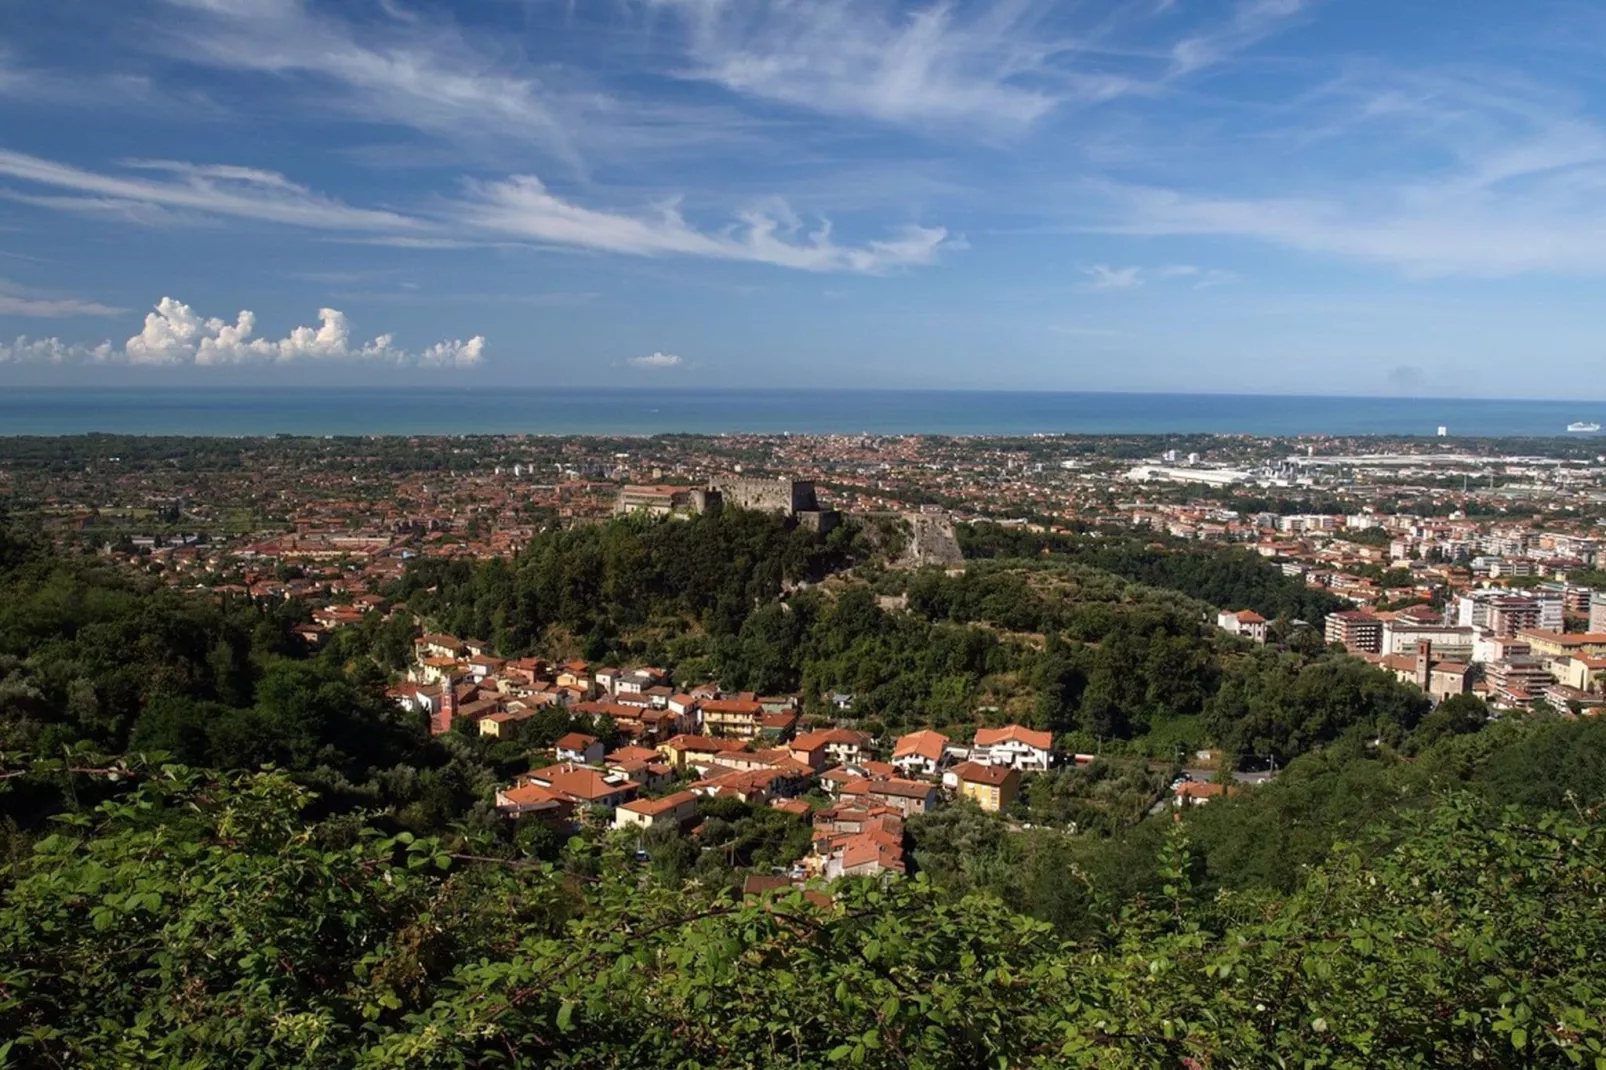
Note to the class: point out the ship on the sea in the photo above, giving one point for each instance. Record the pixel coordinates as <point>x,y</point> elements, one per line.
<point>1582,426</point>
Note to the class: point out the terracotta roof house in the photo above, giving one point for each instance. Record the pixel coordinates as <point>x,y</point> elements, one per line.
<point>585,786</point>
<point>1198,793</point>
<point>921,752</point>
<point>908,797</point>
<point>991,787</point>
<point>1013,745</point>
<point>535,801</point>
<point>579,747</point>
<point>645,813</point>
<point>684,750</point>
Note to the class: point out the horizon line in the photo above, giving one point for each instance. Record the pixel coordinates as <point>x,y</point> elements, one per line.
<point>257,389</point>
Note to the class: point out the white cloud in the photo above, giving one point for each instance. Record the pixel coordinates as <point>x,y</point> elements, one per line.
<point>428,77</point>
<point>878,61</point>
<point>994,66</point>
<point>523,207</point>
<point>238,192</point>
<point>516,210</point>
<point>1427,229</point>
<point>13,79</point>
<point>1252,22</point>
<point>1202,278</point>
<point>656,360</point>
<point>396,11</point>
<point>21,301</point>
<point>1104,277</point>
<point>176,335</point>
<point>27,350</point>
<point>1480,179</point>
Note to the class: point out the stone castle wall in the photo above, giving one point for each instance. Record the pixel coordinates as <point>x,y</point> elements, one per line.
<point>789,496</point>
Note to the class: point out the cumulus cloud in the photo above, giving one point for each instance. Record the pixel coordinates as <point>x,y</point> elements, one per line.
<point>523,207</point>
<point>27,350</point>
<point>656,360</point>
<point>176,335</point>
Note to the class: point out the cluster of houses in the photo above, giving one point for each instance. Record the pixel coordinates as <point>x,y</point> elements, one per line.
<point>860,833</point>
<point>673,747</point>
<point>456,679</point>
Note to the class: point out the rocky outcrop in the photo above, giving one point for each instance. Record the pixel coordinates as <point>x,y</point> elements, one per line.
<point>932,541</point>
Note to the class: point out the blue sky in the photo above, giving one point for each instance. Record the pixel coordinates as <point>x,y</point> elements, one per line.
<point>1271,196</point>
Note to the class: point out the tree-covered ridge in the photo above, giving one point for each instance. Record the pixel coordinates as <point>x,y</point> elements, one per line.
<point>1264,839</point>
<point>598,581</point>
<point>210,921</point>
<point>1223,576</point>
<point>95,657</point>
<point>1050,641</point>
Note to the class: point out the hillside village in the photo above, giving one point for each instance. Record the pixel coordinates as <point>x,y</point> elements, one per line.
<point>639,754</point>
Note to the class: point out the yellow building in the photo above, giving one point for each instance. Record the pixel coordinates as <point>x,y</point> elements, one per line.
<point>1579,672</point>
<point>673,809</point>
<point>1548,644</point>
<point>736,718</point>
<point>991,787</point>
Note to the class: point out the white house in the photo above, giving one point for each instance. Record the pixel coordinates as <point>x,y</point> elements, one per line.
<point>920,753</point>
<point>1014,746</point>
<point>580,748</point>
<point>1245,622</point>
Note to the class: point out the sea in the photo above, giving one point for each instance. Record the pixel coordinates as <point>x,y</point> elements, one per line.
<point>635,412</point>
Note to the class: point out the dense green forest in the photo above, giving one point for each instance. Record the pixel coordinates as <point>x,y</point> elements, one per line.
<point>1226,577</point>
<point>92,657</point>
<point>204,920</point>
<point>221,849</point>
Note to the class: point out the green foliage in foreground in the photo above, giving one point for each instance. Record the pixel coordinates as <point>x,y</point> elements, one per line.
<point>206,922</point>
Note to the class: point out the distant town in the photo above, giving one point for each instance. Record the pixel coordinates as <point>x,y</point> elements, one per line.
<point>1046,682</point>
<point>1467,569</point>
<point>1470,567</point>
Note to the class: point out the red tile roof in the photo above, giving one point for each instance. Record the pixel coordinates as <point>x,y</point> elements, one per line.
<point>633,754</point>
<point>657,807</point>
<point>976,773</point>
<point>1014,733</point>
<point>924,743</point>
<point>582,784</point>
<point>704,744</point>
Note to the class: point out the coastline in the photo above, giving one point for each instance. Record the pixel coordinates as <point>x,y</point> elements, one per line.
<point>639,412</point>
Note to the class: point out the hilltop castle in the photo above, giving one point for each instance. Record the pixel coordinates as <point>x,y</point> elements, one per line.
<point>794,498</point>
